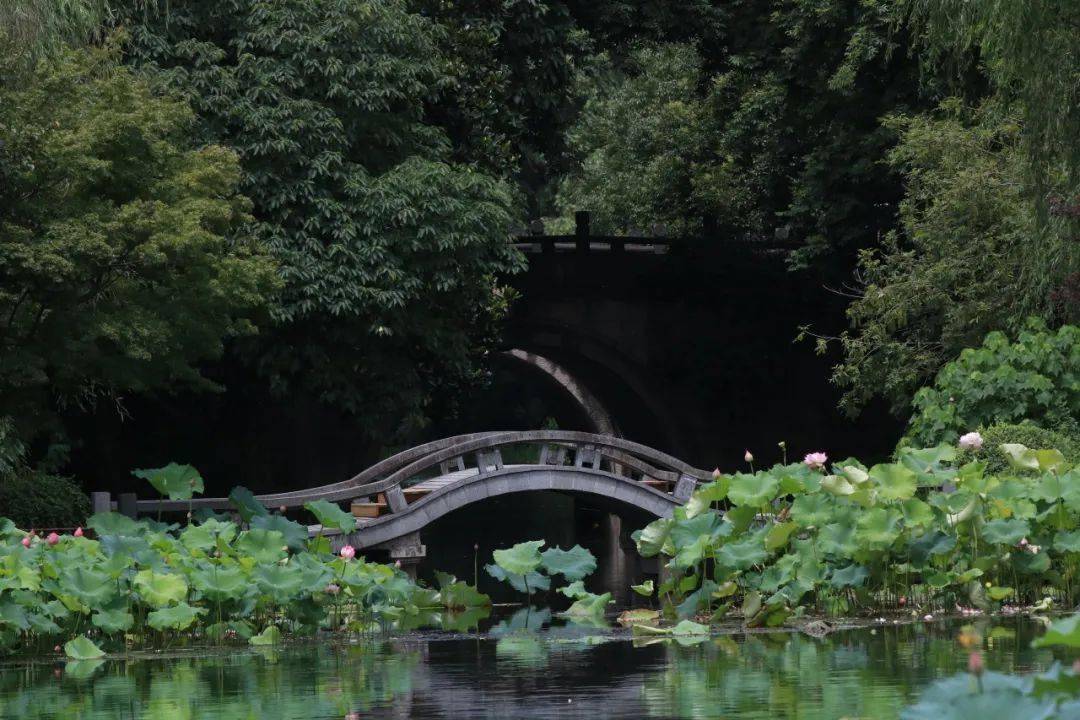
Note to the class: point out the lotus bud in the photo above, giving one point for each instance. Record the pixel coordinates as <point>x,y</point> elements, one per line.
<point>57,649</point>
<point>189,516</point>
<point>26,541</point>
<point>78,532</point>
<point>53,538</point>
<point>333,589</point>
<point>928,617</point>
<point>281,509</point>
<point>397,563</point>
<point>902,601</point>
<point>748,456</point>
<point>716,472</point>
<point>815,460</point>
<point>975,663</point>
<point>1023,542</point>
<point>348,552</point>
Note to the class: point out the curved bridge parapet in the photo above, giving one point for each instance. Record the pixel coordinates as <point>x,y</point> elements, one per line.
<point>399,496</point>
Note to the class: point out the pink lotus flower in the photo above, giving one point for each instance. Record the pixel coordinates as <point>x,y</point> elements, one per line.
<point>975,663</point>
<point>348,552</point>
<point>53,538</point>
<point>971,441</point>
<point>815,460</point>
<point>26,541</point>
<point>748,457</point>
<point>716,472</point>
<point>78,532</point>
<point>333,589</point>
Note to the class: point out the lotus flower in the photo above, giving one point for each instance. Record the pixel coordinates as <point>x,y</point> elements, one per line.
<point>975,663</point>
<point>26,541</point>
<point>333,589</point>
<point>815,460</point>
<point>748,457</point>
<point>971,441</point>
<point>78,532</point>
<point>348,552</point>
<point>716,472</point>
<point>53,538</point>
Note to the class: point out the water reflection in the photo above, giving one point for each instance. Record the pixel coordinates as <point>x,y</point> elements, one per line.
<point>526,667</point>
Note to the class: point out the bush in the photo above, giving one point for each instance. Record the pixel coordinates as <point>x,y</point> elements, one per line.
<point>1036,378</point>
<point>1029,435</point>
<point>34,499</point>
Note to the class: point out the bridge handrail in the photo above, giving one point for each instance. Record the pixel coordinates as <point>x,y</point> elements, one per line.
<point>412,462</point>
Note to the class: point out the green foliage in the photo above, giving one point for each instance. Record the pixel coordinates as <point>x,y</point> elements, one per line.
<point>1035,378</point>
<point>850,537</point>
<point>971,256</point>
<point>177,482</point>
<point>1027,434</point>
<point>356,196</point>
<point>37,499</point>
<point>117,273</point>
<point>528,570</point>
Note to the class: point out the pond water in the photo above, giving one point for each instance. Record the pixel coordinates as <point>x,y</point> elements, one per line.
<point>525,667</point>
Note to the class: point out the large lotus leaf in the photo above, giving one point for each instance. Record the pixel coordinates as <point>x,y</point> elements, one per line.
<point>589,605</point>
<point>1067,541</point>
<point>294,533</point>
<point>520,559</point>
<point>743,554</point>
<point>460,595</point>
<point>573,564</point>
<point>850,576</point>
<point>82,648</point>
<point>91,587</point>
<point>812,510</point>
<point>753,490</point>
<point>247,506</point>
<point>1031,563</point>
<point>331,516</point>
<point>999,697</point>
<point>1065,632</point>
<point>894,481</point>
<point>693,553</point>
<point>280,582</point>
<point>837,485</point>
<point>645,589</point>
<point>13,615</point>
<point>933,542</point>
<point>111,523</point>
<point>219,583</point>
<point>917,514</point>
<point>877,528</point>
<point>113,621</point>
<point>779,573</point>
<point>269,636</point>
<point>651,539</point>
<point>178,482</point>
<point>1005,531</point>
<point>198,537</point>
<point>687,628</point>
<point>159,589</point>
<point>928,462</point>
<point>707,494</point>
<point>530,583</point>
<point>175,617</point>
<point>574,590</point>
<point>42,624</point>
<point>1020,457</point>
<point>738,519</point>
<point>127,549</point>
<point>687,532</point>
<point>263,546</point>
<point>778,535</point>
<point>838,539</point>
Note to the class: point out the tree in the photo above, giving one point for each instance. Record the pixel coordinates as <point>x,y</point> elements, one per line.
<point>117,274</point>
<point>372,223</point>
<point>971,256</point>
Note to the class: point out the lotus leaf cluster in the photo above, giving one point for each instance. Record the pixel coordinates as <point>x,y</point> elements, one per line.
<point>926,529</point>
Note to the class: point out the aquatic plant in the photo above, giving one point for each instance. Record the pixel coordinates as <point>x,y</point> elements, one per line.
<point>528,570</point>
<point>925,530</point>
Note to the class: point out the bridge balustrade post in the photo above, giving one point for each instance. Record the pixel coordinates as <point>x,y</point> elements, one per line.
<point>395,498</point>
<point>128,504</point>
<point>684,488</point>
<point>100,502</point>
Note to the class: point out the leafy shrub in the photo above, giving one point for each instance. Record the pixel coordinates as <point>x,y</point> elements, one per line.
<point>1027,434</point>
<point>37,499</point>
<point>1036,378</point>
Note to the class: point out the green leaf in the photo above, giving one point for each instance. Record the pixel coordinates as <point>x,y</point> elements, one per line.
<point>520,559</point>
<point>651,539</point>
<point>158,589</point>
<point>1065,632</point>
<point>1005,531</point>
<point>263,546</point>
<point>177,617</point>
<point>331,516</point>
<point>707,494</point>
<point>219,583</point>
<point>917,514</point>
<point>113,621</point>
<point>894,482</point>
<point>81,648</point>
<point>837,485</point>
<point>850,576</point>
<point>269,636</point>
<point>111,523</point>
<point>645,589</point>
<point>753,490</point>
<point>778,535</point>
<point>530,583</point>
<point>573,564</point>
<point>1067,541</point>
<point>295,534</point>
<point>877,528</point>
<point>999,593</point>
<point>178,482</point>
<point>589,605</point>
<point>812,510</point>
<point>1020,457</point>
<point>281,582</point>
<point>247,506</point>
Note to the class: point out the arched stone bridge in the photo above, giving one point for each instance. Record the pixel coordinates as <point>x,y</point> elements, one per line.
<point>396,498</point>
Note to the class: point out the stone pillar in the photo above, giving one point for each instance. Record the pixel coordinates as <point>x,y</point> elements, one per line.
<point>407,551</point>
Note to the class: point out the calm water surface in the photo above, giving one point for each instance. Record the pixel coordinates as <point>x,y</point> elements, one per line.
<point>525,668</point>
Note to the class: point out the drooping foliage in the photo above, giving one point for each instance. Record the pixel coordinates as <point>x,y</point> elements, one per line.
<point>794,537</point>
<point>355,195</point>
<point>119,267</point>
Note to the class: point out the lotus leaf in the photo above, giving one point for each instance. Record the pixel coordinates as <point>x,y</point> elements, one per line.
<point>247,506</point>
<point>589,605</point>
<point>1065,632</point>
<point>13,615</point>
<point>1005,531</point>
<point>573,564</point>
<point>262,546</point>
<point>686,532</point>
<point>530,583</point>
<point>280,582</point>
<point>295,534</point>
<point>999,593</point>
<point>113,621</point>
<point>753,490</point>
<point>812,510</point>
<point>645,589</point>
<point>707,494</point>
<point>917,514</point>
<point>696,601</point>
<point>175,617</point>
<point>877,528</point>
<point>742,554</point>
<point>894,482</point>
<point>837,485</point>
<point>178,482</point>
<point>219,583</point>
<point>838,539</point>
<point>111,523</point>
<point>520,559</point>
<point>82,648</point>
<point>1067,541</point>
<point>778,535</point>
<point>331,516</point>
<point>159,589</point>
<point>91,587</point>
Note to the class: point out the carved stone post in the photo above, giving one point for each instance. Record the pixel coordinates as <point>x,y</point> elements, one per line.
<point>684,488</point>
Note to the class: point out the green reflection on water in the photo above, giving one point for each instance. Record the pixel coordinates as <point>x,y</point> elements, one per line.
<point>527,669</point>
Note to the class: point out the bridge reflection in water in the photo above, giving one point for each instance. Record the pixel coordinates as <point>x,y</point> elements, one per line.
<point>397,499</point>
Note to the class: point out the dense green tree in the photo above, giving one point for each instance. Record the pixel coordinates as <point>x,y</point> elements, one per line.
<point>971,256</point>
<point>389,249</point>
<point>117,274</point>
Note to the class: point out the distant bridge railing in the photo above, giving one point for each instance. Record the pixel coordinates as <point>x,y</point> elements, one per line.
<point>392,484</point>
